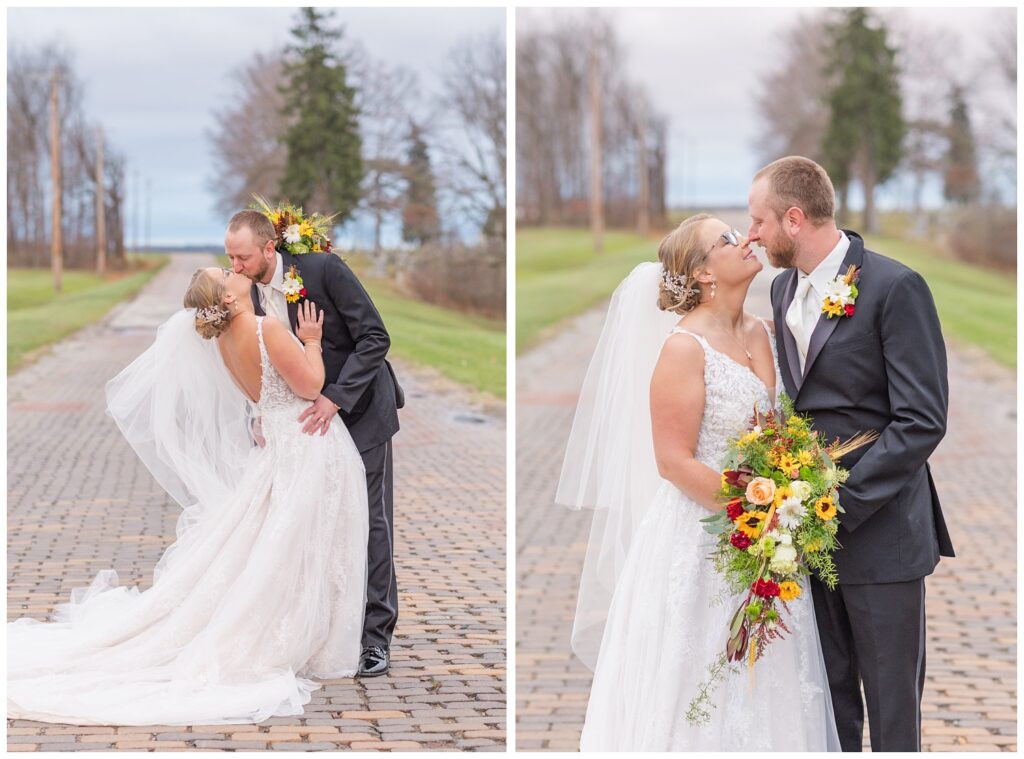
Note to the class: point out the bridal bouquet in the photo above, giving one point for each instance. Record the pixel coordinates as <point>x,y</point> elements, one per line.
<point>780,485</point>
<point>296,232</point>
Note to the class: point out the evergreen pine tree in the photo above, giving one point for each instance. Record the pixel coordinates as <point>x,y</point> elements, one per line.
<point>961,176</point>
<point>420,221</point>
<point>866,127</point>
<point>324,165</point>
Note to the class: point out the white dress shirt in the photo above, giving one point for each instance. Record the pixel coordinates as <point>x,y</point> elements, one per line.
<point>272,295</point>
<point>805,310</point>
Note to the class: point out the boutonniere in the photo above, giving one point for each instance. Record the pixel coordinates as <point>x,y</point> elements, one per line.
<point>841,294</point>
<point>293,287</point>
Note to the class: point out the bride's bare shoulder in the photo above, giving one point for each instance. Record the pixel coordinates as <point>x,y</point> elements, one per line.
<point>761,323</point>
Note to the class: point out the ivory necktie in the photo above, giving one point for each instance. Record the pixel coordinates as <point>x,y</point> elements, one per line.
<point>796,318</point>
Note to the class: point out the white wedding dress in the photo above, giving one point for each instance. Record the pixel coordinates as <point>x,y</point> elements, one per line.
<point>262,590</point>
<point>669,618</point>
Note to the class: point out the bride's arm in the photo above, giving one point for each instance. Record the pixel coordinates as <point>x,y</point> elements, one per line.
<point>302,367</point>
<point>677,408</point>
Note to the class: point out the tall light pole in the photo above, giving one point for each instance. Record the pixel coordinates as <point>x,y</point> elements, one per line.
<point>56,241</point>
<point>101,216</point>
<point>643,218</point>
<point>149,208</point>
<point>135,216</point>
<point>596,148</point>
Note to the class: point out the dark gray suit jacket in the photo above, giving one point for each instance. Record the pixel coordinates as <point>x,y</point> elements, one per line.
<point>882,369</point>
<point>357,377</point>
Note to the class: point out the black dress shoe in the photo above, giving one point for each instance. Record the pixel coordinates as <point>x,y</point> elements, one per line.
<point>374,662</point>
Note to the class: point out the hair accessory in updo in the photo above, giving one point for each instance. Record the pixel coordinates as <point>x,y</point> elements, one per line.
<point>676,284</point>
<point>211,314</point>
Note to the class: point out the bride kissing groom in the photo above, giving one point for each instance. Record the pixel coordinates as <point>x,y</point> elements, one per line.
<point>679,366</point>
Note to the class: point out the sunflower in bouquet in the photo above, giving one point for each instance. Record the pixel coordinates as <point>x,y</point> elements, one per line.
<point>297,232</point>
<point>780,487</point>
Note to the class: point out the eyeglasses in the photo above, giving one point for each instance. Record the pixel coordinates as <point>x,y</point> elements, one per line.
<point>732,237</point>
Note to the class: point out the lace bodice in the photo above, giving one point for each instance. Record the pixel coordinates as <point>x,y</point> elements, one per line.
<point>274,391</point>
<point>731,391</point>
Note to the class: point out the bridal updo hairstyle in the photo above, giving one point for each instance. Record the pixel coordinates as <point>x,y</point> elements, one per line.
<point>682,255</point>
<point>206,296</point>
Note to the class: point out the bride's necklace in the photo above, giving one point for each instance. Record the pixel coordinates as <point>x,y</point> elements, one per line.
<point>742,344</point>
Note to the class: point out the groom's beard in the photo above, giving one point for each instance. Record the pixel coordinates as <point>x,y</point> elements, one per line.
<point>260,273</point>
<point>781,251</point>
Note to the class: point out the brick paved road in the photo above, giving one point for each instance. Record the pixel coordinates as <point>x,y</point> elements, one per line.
<point>79,501</point>
<point>970,702</point>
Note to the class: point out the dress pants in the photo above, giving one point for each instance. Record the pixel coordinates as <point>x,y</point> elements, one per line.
<point>875,635</point>
<point>381,585</point>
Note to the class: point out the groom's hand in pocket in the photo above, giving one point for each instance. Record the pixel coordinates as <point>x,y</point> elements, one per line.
<point>318,416</point>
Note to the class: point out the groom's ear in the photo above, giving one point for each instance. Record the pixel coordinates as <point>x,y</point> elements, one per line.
<point>794,219</point>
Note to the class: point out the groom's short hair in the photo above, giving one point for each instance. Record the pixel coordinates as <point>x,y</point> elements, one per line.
<point>800,182</point>
<point>262,227</point>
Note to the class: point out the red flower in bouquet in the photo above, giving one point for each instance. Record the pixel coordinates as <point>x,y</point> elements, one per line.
<point>740,541</point>
<point>738,478</point>
<point>734,509</point>
<point>850,309</point>
<point>765,588</point>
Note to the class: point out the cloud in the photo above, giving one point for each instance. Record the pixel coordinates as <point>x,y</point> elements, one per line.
<point>154,76</point>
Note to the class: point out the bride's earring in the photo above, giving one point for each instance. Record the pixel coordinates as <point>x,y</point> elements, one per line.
<point>713,288</point>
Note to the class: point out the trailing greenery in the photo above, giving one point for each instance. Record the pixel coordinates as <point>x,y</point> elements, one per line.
<point>37,316</point>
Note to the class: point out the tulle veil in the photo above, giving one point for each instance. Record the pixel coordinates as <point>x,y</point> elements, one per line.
<point>609,461</point>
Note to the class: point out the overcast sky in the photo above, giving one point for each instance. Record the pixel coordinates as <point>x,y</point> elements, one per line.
<point>154,76</point>
<point>701,68</point>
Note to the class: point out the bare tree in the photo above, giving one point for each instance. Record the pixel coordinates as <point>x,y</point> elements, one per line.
<point>248,155</point>
<point>564,175</point>
<point>387,98</point>
<point>791,97</point>
<point>472,140</point>
<point>30,196</point>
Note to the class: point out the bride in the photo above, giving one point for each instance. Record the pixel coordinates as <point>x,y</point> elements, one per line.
<point>652,614</point>
<point>264,586</point>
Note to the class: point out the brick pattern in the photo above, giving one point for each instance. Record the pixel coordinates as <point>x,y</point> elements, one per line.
<point>80,501</point>
<point>970,694</point>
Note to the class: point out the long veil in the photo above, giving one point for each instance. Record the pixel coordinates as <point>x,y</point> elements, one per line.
<point>180,411</point>
<point>609,461</point>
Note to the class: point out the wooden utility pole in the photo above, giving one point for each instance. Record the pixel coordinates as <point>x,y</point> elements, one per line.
<point>136,216</point>
<point>643,216</point>
<point>149,210</point>
<point>57,243</point>
<point>101,216</point>
<point>596,150</point>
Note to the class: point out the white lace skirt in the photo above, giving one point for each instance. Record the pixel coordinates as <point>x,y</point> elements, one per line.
<point>257,595</point>
<point>667,623</point>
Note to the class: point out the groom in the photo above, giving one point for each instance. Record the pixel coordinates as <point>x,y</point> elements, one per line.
<point>360,388</point>
<point>878,365</point>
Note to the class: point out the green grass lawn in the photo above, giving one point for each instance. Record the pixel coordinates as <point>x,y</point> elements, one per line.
<point>464,348</point>
<point>37,316</point>
<point>976,306</point>
<point>559,276</point>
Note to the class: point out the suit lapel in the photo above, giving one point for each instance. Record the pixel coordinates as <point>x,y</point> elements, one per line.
<point>825,327</point>
<point>792,363</point>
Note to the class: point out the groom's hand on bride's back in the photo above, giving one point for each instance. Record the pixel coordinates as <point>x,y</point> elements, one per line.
<point>318,416</point>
